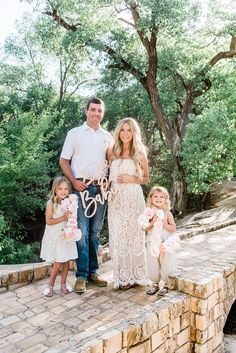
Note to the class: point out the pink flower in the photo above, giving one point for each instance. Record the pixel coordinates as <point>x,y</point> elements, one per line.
<point>149,212</point>
<point>71,231</point>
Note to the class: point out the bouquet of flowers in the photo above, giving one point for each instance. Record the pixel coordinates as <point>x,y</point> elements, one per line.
<point>145,218</point>
<point>153,239</point>
<point>71,231</point>
<point>171,244</point>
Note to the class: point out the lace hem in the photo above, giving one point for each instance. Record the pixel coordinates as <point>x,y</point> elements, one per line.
<point>145,282</point>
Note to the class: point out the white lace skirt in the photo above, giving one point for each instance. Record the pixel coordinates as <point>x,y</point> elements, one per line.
<point>126,239</point>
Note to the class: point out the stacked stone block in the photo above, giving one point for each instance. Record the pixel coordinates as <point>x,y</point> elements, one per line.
<point>161,327</point>
<point>211,298</point>
<point>23,276</point>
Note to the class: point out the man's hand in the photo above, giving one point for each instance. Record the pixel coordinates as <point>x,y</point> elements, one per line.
<point>79,185</point>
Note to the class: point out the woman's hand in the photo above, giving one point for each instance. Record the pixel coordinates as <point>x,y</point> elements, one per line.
<point>125,179</point>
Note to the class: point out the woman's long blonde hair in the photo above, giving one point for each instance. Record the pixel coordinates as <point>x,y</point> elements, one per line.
<point>137,149</point>
<point>166,195</point>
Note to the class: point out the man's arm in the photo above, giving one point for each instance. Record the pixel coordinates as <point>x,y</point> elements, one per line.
<point>78,185</point>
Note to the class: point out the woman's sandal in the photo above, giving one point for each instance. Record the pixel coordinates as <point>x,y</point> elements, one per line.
<point>152,290</point>
<point>66,289</point>
<point>48,292</point>
<point>125,287</point>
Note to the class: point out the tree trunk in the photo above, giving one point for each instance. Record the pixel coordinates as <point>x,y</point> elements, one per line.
<point>179,189</point>
<point>179,186</point>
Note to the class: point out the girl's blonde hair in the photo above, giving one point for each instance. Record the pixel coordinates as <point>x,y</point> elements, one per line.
<point>137,149</point>
<point>167,205</point>
<point>56,183</point>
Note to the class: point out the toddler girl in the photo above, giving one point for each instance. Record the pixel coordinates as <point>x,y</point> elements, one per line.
<point>161,243</point>
<point>56,247</point>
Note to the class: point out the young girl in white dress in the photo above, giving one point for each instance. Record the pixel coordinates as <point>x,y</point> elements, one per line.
<point>55,248</point>
<point>161,243</point>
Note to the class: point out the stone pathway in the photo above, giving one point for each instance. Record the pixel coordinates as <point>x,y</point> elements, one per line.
<point>210,251</point>
<point>230,343</point>
<point>31,323</point>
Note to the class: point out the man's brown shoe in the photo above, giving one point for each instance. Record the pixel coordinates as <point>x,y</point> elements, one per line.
<point>95,279</point>
<point>80,286</point>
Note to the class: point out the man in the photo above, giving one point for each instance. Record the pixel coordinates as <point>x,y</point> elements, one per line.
<point>83,160</point>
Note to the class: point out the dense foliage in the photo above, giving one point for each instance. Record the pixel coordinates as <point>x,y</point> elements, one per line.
<point>50,68</point>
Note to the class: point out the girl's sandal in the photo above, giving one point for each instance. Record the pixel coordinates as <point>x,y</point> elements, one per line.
<point>66,289</point>
<point>152,290</point>
<point>48,292</point>
<point>163,292</point>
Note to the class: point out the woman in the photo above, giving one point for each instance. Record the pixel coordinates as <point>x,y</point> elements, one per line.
<point>128,169</point>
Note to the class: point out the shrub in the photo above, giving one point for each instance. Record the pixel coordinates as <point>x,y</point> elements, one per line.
<point>14,252</point>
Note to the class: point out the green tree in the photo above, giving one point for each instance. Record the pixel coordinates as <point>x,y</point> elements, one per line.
<point>160,46</point>
<point>208,149</point>
<point>24,169</point>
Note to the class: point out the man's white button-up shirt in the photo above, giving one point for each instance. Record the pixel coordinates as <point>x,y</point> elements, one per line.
<point>86,148</point>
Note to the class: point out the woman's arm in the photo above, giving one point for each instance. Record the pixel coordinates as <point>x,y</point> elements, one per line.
<point>49,215</point>
<point>169,223</point>
<point>145,178</point>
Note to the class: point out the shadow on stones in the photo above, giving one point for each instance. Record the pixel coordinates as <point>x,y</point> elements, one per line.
<point>230,325</point>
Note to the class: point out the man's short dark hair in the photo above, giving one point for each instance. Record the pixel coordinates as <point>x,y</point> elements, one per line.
<point>95,101</point>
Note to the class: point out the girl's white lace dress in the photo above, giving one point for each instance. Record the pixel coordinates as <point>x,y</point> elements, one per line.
<point>126,239</point>
<point>54,246</point>
<point>161,265</point>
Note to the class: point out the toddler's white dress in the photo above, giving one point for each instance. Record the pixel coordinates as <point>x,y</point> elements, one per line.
<point>160,267</point>
<point>126,238</point>
<point>54,247</point>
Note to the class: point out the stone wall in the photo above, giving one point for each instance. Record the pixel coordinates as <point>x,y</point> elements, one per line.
<point>211,297</point>
<point>13,276</point>
<point>161,327</point>
<point>21,275</point>
<point>191,321</point>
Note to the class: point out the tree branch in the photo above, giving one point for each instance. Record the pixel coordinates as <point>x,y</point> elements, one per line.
<point>207,83</point>
<point>207,45</point>
<point>123,64</point>
<point>233,43</point>
<point>80,84</point>
<point>31,56</point>
<point>61,21</point>
<point>136,17</point>
<point>225,54</point>
<point>178,77</point>
<point>127,22</point>
<point>119,11</point>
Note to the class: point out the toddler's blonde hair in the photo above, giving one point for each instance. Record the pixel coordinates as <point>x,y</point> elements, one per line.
<point>166,195</point>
